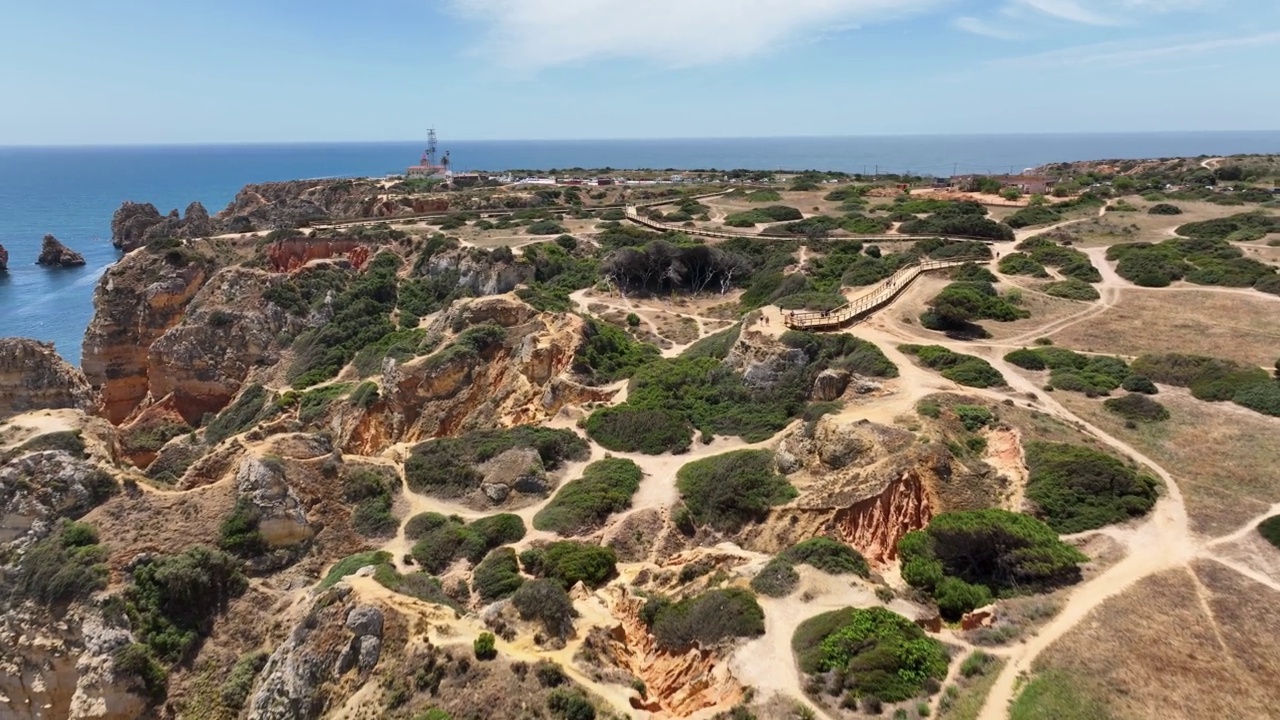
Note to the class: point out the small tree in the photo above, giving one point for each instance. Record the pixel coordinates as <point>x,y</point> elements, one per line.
<point>1010,193</point>
<point>633,320</point>
<point>485,646</point>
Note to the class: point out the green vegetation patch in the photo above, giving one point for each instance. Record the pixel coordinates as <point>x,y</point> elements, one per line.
<point>361,317</point>
<point>584,504</point>
<point>873,652</point>
<point>67,565</point>
<point>829,556</point>
<point>1137,407</point>
<point>778,578</point>
<point>1203,260</point>
<point>706,619</point>
<point>440,545</point>
<point>959,304</point>
<point>1072,289</point>
<point>1214,380</point>
<point>955,223</point>
<point>568,562</point>
<point>420,585</point>
<point>763,196</point>
<point>173,600</point>
<point>239,416</point>
<point>557,273</point>
<point>371,492</point>
<point>731,490</point>
<point>959,368</point>
<point>608,353</point>
<point>352,563</point>
<point>445,467</point>
<point>1079,489</point>
<point>314,404</point>
<point>1022,264</point>
<point>1164,209</point>
<point>1055,694</point>
<point>498,575</point>
<point>546,602</point>
<point>1070,262</point>
<point>1092,375</point>
<point>1270,530</point>
<point>1248,224</point>
<point>764,215</point>
<point>965,558</point>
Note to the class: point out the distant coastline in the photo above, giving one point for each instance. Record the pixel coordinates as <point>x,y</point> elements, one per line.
<point>71,192</point>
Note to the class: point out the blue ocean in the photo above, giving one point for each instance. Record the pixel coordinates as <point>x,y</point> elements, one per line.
<point>72,192</point>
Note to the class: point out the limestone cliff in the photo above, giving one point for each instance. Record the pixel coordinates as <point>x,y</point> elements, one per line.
<point>136,302</point>
<point>54,254</point>
<point>525,379</point>
<point>195,362</point>
<point>34,377</point>
<point>135,224</point>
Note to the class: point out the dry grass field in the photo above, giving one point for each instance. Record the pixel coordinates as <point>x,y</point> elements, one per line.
<point>1223,457</point>
<point>1238,325</point>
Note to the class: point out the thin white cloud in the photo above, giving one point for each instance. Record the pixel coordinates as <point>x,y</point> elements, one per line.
<point>533,34</point>
<point>1070,10</point>
<point>978,26</point>
<point>1121,54</point>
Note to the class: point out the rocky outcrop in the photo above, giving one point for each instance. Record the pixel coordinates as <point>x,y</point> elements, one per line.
<point>480,275</point>
<point>526,379</point>
<point>54,254</point>
<point>65,668</point>
<point>762,359</point>
<point>335,635</point>
<point>136,302</point>
<point>830,384</point>
<point>34,377</point>
<point>292,253</point>
<point>4,259</point>
<point>39,489</point>
<point>282,520</point>
<point>676,683</point>
<point>195,365</point>
<point>869,485</point>
<point>135,224</point>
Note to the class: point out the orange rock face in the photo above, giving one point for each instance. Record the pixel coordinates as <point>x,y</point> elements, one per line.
<point>875,525</point>
<point>289,255</point>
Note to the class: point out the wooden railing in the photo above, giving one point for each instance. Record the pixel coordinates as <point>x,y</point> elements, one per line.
<point>882,294</point>
<point>634,216</point>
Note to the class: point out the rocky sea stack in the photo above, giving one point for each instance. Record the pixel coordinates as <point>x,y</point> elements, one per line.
<point>54,254</point>
<point>4,259</point>
<point>134,224</point>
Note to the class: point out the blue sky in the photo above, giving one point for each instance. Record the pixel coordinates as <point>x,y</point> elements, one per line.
<point>152,71</point>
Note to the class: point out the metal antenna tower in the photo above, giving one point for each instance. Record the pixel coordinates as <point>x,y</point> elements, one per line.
<point>429,157</point>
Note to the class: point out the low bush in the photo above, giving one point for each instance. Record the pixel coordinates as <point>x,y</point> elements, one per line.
<point>454,539</point>
<point>581,505</point>
<point>238,534</point>
<point>972,272</point>
<point>445,467</point>
<point>1269,529</point>
<point>608,354</point>
<point>566,704</point>
<point>485,646</point>
<point>1034,215</point>
<point>1020,264</point>
<point>1164,209</point>
<point>238,416</point>
<point>731,490</point>
<point>1003,553</point>
<point>959,304</point>
<point>959,368</point>
<point>67,565</point>
<point>1137,407</point>
<point>418,585</point>
<point>352,563</point>
<point>708,619</point>
<point>1214,379</point>
<point>497,576</point>
<point>567,563</point>
<point>545,227</point>
<point>1139,384</point>
<point>776,579</point>
<point>871,653</point>
<point>829,556</point>
<point>1079,489</point>
<point>958,225</point>
<point>173,599</point>
<point>371,493</point>
<point>1072,289</point>
<point>763,196</point>
<point>545,602</point>
<point>235,689</point>
<point>771,213</point>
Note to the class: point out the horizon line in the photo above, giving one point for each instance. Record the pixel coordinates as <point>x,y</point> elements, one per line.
<point>299,143</point>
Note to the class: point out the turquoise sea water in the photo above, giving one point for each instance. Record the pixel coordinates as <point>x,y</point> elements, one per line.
<point>72,192</point>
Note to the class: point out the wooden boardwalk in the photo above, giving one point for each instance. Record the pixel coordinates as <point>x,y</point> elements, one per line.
<point>881,294</point>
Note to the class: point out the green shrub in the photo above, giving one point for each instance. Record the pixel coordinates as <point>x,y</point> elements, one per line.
<point>1033,215</point>
<point>1263,397</point>
<point>498,575</point>
<point>763,196</point>
<point>136,661</point>
<point>731,490</point>
<point>1213,379</point>
<point>1081,489</point>
<point>173,599</point>
<point>235,689</point>
<point>1026,358</point>
<point>609,354</point>
<point>567,704</point>
<point>1137,407</point>
<point>444,543</point>
<point>1056,694</point>
<point>872,653</point>
<point>352,563</point>
<point>777,579</point>
<point>1139,384</point>
<point>829,556</point>
<point>67,565</point>
<point>545,602</point>
<point>418,585</point>
<point>545,227</point>
<point>485,646</point>
<point>1270,530</point>
<point>959,304</point>
<point>958,225</point>
<point>445,467</point>
<point>1072,289</point>
<point>567,563</point>
<point>972,272</point>
<point>955,597</point>
<point>1019,264</point>
<point>973,417</point>
<point>707,619</point>
<point>1005,552</point>
<point>581,505</point>
<point>957,367</point>
<point>239,534</point>
<point>238,416</point>
<point>1164,209</point>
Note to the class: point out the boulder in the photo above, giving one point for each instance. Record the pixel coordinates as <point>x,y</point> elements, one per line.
<point>930,623</point>
<point>281,518</point>
<point>54,254</point>
<point>4,259</point>
<point>979,618</point>
<point>830,384</point>
<point>365,620</point>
